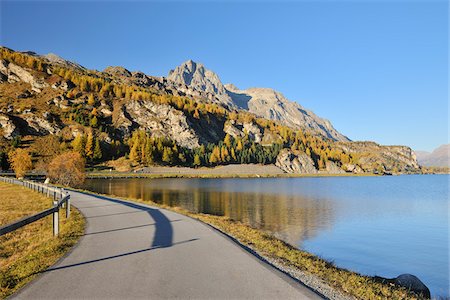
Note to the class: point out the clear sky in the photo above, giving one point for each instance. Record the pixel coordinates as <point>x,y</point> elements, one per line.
<point>378,70</point>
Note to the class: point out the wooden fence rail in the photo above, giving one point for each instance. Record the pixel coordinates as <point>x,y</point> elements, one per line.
<point>61,198</point>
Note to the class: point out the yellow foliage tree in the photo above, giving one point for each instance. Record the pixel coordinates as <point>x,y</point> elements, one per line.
<point>20,161</point>
<point>67,169</point>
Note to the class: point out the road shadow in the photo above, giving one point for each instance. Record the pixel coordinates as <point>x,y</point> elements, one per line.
<point>110,257</point>
<point>163,227</point>
<point>123,228</point>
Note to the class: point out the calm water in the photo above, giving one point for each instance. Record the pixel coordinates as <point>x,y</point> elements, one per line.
<point>382,226</point>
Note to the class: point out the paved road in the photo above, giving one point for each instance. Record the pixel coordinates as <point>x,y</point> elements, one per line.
<point>136,251</point>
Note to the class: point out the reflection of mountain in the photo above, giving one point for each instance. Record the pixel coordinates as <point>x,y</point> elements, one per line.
<point>290,217</point>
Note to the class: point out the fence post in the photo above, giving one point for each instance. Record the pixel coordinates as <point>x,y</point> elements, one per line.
<point>56,219</point>
<point>68,207</point>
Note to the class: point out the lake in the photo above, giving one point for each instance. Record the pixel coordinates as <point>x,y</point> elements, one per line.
<point>383,226</point>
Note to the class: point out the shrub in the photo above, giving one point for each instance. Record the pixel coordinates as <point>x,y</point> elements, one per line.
<point>67,169</point>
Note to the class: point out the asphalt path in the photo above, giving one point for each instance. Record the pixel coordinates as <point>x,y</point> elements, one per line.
<point>131,250</point>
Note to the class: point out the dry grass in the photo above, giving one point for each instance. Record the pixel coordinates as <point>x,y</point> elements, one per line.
<point>347,282</point>
<point>31,249</point>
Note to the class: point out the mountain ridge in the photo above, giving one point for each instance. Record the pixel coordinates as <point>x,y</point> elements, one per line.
<point>439,157</point>
<point>264,102</point>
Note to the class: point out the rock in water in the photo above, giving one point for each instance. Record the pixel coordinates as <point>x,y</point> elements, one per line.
<point>409,282</point>
<point>414,284</point>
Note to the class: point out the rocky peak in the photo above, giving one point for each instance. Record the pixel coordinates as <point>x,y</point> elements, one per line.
<point>197,77</point>
<point>53,58</point>
<point>117,71</point>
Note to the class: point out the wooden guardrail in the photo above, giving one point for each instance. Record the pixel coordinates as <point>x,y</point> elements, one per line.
<point>61,198</point>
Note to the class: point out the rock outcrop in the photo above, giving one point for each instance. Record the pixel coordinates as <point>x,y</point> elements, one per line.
<point>14,73</point>
<point>159,120</point>
<point>332,168</point>
<point>8,129</point>
<point>295,162</point>
<point>374,158</point>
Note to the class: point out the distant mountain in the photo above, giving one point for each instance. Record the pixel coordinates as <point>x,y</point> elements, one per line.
<point>263,102</point>
<point>440,157</point>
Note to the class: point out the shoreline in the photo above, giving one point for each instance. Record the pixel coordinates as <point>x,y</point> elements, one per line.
<point>227,171</point>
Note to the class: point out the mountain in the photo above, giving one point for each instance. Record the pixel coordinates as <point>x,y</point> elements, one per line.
<point>263,102</point>
<point>440,157</point>
<point>49,105</point>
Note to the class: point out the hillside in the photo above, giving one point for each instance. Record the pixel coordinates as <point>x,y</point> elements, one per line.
<point>49,105</point>
<point>440,157</point>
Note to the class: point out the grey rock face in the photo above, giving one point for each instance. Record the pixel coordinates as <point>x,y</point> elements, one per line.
<point>332,168</point>
<point>273,105</point>
<point>158,120</point>
<point>196,76</point>
<point>297,162</point>
<point>40,126</point>
<point>8,128</point>
<point>55,59</point>
<point>14,73</point>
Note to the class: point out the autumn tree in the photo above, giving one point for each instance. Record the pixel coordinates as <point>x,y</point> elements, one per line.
<point>78,144</point>
<point>197,161</point>
<point>67,169</point>
<point>97,150</point>
<point>89,148</point>
<point>20,161</point>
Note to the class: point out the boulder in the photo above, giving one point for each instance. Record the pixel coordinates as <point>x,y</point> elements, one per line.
<point>295,162</point>
<point>409,282</point>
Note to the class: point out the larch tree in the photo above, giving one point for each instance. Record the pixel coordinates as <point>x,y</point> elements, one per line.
<point>20,161</point>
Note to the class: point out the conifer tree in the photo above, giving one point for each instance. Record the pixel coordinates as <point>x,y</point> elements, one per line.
<point>197,161</point>
<point>89,148</point>
<point>97,150</point>
<point>78,144</point>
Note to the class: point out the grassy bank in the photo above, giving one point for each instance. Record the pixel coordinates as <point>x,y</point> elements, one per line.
<point>300,264</point>
<point>33,248</point>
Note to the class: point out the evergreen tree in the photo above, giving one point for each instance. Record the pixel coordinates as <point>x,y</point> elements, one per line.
<point>78,144</point>
<point>167,155</point>
<point>97,150</point>
<point>93,122</point>
<point>89,148</point>
<point>197,161</point>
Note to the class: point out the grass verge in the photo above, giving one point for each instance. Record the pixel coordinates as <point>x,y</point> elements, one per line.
<point>33,248</point>
<point>347,283</point>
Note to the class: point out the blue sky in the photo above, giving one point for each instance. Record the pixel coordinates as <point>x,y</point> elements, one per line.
<point>378,70</point>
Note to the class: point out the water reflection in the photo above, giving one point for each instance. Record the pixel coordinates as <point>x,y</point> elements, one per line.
<point>275,208</point>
